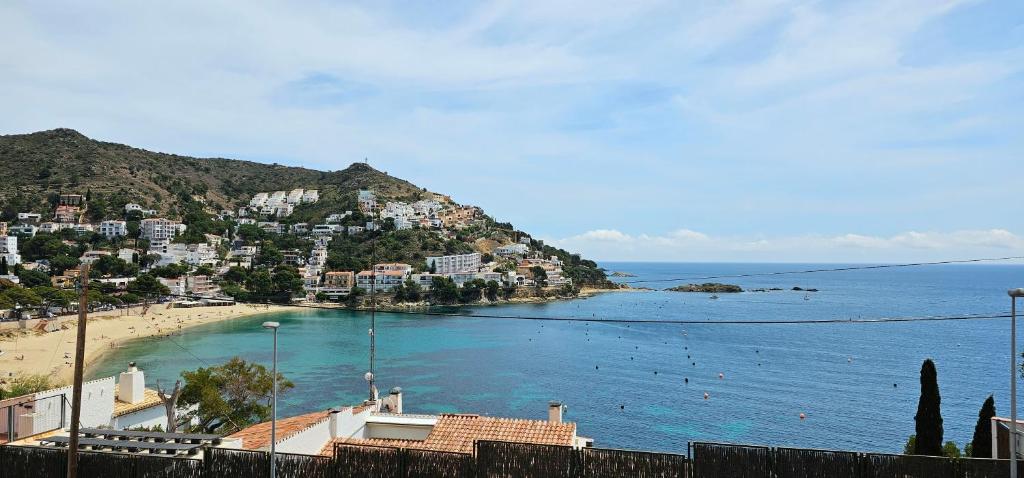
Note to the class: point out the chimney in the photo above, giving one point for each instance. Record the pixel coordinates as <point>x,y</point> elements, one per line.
<point>555,410</point>
<point>131,385</point>
<point>395,400</point>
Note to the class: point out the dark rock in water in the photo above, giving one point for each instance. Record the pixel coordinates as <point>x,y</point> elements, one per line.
<point>621,274</point>
<point>797,288</point>
<point>811,290</point>
<point>710,287</point>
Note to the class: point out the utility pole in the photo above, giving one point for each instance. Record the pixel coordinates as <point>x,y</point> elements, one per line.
<point>373,307</point>
<point>76,395</point>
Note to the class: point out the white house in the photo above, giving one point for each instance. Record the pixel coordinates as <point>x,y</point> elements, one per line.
<point>310,196</point>
<point>116,402</point>
<point>112,229</point>
<point>258,200</point>
<point>160,230</point>
<point>22,230</point>
<point>29,216</point>
<point>512,250</point>
<point>383,422</point>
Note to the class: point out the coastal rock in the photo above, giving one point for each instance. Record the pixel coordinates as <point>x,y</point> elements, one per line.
<point>622,274</point>
<point>710,287</point>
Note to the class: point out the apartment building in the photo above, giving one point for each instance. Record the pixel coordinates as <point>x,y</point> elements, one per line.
<point>9,250</point>
<point>454,263</point>
<point>113,229</point>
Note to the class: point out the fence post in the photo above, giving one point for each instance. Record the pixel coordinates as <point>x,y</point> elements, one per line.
<point>10,423</point>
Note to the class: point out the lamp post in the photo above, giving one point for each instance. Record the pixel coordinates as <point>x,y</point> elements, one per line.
<point>273,407</point>
<point>1014,294</point>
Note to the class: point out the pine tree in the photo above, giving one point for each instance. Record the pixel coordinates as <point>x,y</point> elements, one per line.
<point>981,444</point>
<point>928,421</point>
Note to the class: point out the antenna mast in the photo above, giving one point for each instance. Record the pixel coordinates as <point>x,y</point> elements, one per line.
<point>373,309</point>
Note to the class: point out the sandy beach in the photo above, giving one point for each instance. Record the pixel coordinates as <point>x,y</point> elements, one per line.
<point>52,353</point>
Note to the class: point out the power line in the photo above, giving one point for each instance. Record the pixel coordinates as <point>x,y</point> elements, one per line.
<point>876,320</point>
<point>836,269</point>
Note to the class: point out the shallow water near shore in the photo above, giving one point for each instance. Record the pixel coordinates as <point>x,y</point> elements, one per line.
<point>642,386</point>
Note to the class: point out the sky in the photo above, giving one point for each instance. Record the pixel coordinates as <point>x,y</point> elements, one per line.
<point>762,130</point>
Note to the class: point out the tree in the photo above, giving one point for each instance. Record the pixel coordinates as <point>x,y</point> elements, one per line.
<point>147,285</point>
<point>170,401</point>
<point>981,444</point>
<point>61,263</point>
<point>33,278</point>
<point>231,396</point>
<point>540,276</point>
<point>236,274</point>
<point>928,421</point>
<point>3,266</point>
<point>354,296</point>
<point>26,384</point>
<point>413,291</point>
<point>443,290</point>
<point>492,290</point>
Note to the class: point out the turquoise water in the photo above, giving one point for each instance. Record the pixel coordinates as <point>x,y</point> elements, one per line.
<point>625,384</point>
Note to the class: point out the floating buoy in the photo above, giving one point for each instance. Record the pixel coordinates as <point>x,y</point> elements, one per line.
<point>694,364</point>
<point>622,407</point>
<point>849,359</point>
<point>686,380</point>
<point>706,395</point>
<point>802,416</point>
<point>631,358</point>
<point>894,385</point>
<point>721,376</point>
<point>596,367</point>
<point>655,372</point>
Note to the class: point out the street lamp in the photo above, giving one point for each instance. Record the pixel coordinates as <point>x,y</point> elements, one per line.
<point>1014,294</point>
<point>273,407</point>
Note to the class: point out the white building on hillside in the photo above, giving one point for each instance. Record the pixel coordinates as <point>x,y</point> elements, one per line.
<point>112,229</point>
<point>9,250</point>
<point>455,263</point>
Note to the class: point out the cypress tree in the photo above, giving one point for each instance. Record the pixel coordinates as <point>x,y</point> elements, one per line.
<point>928,421</point>
<point>3,266</point>
<point>981,444</point>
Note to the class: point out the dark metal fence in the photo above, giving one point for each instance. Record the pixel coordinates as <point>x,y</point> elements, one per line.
<point>501,459</point>
<point>504,460</point>
<point>712,460</point>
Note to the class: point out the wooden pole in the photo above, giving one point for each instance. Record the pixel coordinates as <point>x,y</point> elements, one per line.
<point>76,395</point>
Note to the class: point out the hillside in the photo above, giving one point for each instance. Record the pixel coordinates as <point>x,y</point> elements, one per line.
<point>43,165</point>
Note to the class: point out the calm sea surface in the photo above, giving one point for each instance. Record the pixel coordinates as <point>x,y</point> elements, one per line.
<point>625,385</point>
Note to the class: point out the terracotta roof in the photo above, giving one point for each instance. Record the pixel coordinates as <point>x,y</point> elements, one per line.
<point>457,433</point>
<point>149,399</point>
<point>257,436</point>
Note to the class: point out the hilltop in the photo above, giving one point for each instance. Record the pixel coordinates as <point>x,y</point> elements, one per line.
<point>45,163</point>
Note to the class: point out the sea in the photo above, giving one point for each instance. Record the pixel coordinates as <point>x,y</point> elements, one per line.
<point>725,375</point>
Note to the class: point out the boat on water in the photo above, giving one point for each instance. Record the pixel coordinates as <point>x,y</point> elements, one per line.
<point>714,296</point>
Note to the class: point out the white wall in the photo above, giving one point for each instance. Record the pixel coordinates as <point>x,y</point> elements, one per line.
<point>401,432</point>
<point>97,407</point>
<point>309,441</point>
<point>147,417</point>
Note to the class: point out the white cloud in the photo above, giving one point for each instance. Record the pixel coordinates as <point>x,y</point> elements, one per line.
<point>686,245</point>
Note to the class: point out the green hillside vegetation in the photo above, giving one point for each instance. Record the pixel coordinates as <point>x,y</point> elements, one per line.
<point>46,164</point>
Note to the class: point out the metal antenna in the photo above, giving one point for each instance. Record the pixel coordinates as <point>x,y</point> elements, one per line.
<point>373,306</point>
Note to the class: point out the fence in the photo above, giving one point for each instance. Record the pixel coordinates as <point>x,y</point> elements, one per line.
<point>504,460</point>
<point>19,419</point>
<point>741,461</point>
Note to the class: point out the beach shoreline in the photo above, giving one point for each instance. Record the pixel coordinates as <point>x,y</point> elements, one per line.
<point>27,352</point>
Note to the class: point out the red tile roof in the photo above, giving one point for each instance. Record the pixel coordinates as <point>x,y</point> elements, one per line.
<point>257,436</point>
<point>458,433</point>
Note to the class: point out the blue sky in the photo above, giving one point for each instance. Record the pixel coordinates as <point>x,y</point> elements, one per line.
<point>763,130</point>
